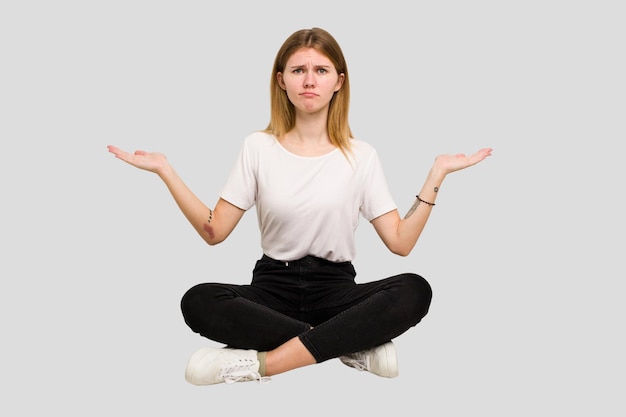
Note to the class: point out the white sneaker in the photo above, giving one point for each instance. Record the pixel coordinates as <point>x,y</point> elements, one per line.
<point>381,360</point>
<point>215,365</point>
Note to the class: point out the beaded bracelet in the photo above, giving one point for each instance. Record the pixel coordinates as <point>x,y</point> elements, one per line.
<point>424,201</point>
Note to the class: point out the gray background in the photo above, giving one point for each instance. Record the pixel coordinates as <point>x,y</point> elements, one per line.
<point>524,251</point>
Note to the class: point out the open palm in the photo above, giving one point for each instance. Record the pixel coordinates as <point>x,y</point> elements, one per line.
<point>451,163</point>
<point>149,161</point>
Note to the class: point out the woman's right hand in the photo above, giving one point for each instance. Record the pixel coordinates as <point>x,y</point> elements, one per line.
<point>149,161</point>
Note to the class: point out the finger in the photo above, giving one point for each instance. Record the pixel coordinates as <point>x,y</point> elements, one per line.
<point>113,149</point>
<point>481,154</point>
<point>116,151</point>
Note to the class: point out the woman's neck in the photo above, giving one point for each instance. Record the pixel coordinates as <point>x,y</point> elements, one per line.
<point>307,141</point>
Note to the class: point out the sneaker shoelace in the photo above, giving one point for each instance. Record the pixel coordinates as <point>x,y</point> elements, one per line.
<point>239,370</point>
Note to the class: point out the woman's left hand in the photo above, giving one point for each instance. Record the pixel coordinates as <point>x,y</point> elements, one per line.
<point>451,163</point>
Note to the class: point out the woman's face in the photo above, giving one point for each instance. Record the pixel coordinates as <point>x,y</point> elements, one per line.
<point>310,80</point>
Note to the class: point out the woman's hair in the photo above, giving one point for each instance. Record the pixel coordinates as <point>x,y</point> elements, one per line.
<point>283,115</point>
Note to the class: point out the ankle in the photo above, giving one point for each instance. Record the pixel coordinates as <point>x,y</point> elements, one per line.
<point>261,358</point>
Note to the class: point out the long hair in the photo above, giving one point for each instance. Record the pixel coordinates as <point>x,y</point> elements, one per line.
<point>283,114</point>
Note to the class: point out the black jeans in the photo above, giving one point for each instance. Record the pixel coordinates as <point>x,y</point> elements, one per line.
<point>314,299</point>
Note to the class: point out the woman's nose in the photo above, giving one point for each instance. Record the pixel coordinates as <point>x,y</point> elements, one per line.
<point>309,81</point>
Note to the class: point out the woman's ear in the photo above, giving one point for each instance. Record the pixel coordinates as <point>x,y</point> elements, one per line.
<point>281,83</point>
<point>340,81</point>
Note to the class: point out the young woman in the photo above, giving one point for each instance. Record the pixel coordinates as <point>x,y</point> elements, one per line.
<point>310,180</point>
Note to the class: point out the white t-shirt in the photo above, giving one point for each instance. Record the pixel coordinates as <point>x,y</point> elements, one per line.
<point>307,205</point>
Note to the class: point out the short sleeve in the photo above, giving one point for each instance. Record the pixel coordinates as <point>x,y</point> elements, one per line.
<point>240,188</point>
<point>377,199</point>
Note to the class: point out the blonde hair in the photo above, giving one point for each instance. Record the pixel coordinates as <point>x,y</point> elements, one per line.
<point>283,118</point>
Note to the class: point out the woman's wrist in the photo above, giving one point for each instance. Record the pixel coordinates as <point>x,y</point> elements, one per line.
<point>166,171</point>
<point>436,175</point>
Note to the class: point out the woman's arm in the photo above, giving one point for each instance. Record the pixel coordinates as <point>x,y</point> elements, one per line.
<point>223,218</point>
<point>400,235</point>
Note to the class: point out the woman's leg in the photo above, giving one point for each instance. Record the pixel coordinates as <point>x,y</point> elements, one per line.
<point>387,309</point>
<point>237,316</point>
<point>288,356</point>
<point>261,341</point>
<point>350,317</point>
<point>377,312</point>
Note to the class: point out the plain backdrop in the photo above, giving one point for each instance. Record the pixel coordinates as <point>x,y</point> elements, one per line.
<point>524,251</point>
